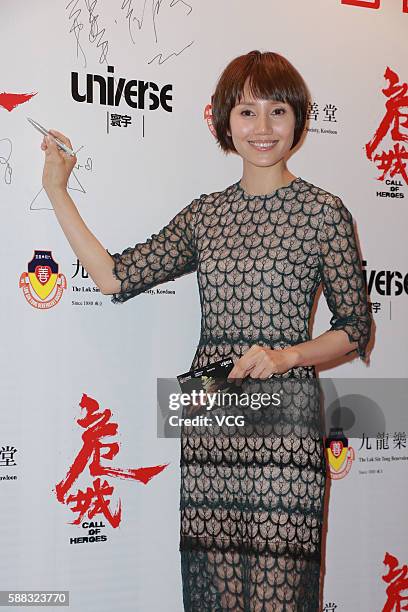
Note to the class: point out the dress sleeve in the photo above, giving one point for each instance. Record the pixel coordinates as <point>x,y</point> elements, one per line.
<point>342,277</point>
<point>163,257</point>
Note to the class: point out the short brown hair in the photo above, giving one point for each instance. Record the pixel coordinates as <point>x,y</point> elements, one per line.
<point>271,76</point>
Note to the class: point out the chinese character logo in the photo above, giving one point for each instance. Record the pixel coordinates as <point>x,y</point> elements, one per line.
<point>42,285</point>
<point>120,120</point>
<point>329,111</point>
<point>397,589</point>
<point>7,456</point>
<point>96,498</point>
<point>392,131</point>
<point>339,454</point>
<point>79,266</point>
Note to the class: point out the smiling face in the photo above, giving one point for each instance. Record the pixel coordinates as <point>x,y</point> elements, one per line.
<point>262,130</point>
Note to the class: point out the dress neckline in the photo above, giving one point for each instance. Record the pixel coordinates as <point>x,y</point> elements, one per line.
<point>248,196</point>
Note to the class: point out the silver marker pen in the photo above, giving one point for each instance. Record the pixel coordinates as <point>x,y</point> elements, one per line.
<point>45,132</point>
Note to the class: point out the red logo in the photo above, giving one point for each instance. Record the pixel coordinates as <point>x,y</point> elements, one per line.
<point>94,500</point>
<point>42,284</point>
<point>43,274</point>
<point>373,4</point>
<point>209,119</point>
<point>336,447</point>
<point>340,454</point>
<point>10,101</point>
<point>394,125</point>
<point>397,589</point>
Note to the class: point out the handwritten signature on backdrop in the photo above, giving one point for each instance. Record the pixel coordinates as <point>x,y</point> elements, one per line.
<point>148,24</point>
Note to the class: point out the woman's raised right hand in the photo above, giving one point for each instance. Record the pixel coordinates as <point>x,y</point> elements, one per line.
<point>58,165</point>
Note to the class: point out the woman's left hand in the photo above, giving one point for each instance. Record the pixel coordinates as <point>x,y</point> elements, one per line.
<point>261,362</point>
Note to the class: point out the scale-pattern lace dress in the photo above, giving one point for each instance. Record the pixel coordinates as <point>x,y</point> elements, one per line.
<point>252,505</point>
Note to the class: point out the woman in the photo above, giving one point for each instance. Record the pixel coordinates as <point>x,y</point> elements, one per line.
<point>251,506</point>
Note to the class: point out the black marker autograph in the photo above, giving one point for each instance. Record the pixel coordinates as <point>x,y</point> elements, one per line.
<point>95,33</point>
<point>74,184</point>
<point>156,5</point>
<point>4,160</point>
<point>159,56</point>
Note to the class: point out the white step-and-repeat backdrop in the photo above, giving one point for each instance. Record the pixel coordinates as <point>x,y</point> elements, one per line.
<point>130,83</point>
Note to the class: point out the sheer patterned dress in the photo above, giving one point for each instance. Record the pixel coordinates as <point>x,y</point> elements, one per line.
<point>252,505</point>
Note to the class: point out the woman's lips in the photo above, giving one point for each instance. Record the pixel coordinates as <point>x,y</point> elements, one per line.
<point>258,146</point>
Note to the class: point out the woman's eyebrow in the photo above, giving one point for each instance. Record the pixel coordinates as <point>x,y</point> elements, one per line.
<point>244,102</point>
